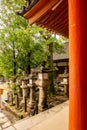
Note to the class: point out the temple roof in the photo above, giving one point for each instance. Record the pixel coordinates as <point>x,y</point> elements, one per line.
<point>64,55</point>
<point>51,14</point>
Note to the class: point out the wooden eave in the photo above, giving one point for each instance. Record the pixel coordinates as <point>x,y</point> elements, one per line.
<point>51,14</point>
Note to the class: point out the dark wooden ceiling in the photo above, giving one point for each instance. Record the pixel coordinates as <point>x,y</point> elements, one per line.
<point>52,14</point>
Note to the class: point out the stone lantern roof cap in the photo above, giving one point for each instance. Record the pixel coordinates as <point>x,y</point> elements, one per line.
<point>41,70</point>
<point>46,70</point>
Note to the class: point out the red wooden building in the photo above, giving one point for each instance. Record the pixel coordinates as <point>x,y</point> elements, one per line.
<point>68,18</point>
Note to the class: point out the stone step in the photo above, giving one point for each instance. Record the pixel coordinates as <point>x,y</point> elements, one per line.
<point>28,123</point>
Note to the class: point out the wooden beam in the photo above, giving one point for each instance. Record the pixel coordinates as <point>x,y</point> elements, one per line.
<point>39,10</point>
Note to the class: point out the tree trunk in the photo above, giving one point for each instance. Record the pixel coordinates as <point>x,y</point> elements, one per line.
<point>29,66</point>
<point>14,62</point>
<point>51,75</point>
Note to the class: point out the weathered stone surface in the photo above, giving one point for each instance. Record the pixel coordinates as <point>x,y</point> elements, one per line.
<point>6,124</point>
<point>33,122</point>
<point>32,96</point>
<point>43,85</point>
<point>10,128</point>
<point>24,90</point>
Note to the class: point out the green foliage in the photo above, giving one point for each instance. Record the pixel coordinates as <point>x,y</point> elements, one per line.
<point>14,88</point>
<point>22,46</point>
<point>20,43</point>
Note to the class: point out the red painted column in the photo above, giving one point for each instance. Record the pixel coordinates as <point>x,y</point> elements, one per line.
<point>78,64</point>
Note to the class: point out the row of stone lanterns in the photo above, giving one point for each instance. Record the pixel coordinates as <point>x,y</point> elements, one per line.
<point>42,82</point>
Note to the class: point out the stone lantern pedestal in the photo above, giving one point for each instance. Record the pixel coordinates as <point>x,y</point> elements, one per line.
<point>18,83</point>
<point>43,83</point>
<point>65,83</point>
<point>24,90</point>
<point>32,87</point>
<point>32,95</point>
<point>66,86</point>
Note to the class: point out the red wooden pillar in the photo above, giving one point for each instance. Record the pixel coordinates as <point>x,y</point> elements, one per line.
<point>78,64</point>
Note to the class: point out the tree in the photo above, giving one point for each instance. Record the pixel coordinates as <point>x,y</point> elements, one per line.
<point>8,23</point>
<point>17,41</point>
<point>23,46</point>
<point>54,45</point>
<point>21,49</point>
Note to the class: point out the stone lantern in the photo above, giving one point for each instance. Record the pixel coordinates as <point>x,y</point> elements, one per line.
<point>43,83</point>
<point>65,82</point>
<point>24,89</point>
<point>18,83</point>
<point>32,87</point>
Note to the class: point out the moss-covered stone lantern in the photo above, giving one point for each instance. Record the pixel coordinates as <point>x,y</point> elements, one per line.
<point>43,83</point>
